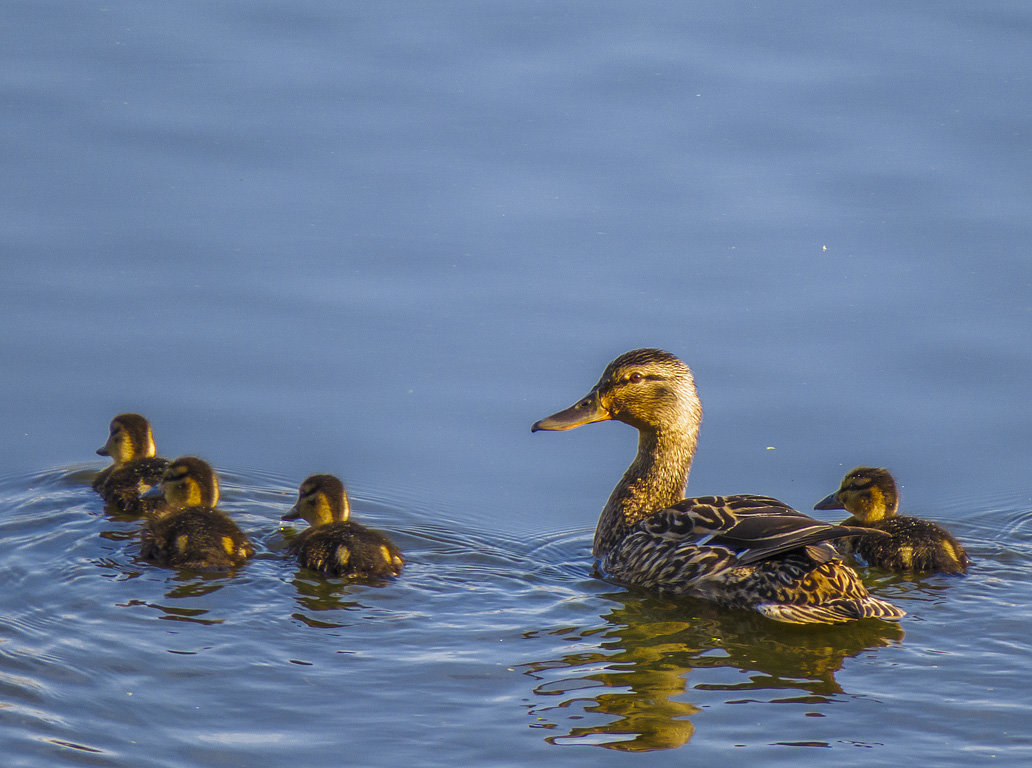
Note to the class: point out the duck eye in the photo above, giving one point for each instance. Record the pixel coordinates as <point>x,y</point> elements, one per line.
<point>635,378</point>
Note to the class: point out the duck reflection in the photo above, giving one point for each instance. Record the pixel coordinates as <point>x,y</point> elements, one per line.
<point>191,587</point>
<point>631,686</point>
<point>319,595</point>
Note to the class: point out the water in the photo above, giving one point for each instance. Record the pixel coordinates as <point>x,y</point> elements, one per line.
<point>381,241</point>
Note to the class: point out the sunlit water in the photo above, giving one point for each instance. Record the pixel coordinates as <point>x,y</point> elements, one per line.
<point>381,240</point>
<point>484,641</point>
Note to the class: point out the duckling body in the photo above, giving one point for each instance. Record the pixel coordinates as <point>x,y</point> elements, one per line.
<point>135,468</point>
<point>742,551</point>
<point>187,531</point>
<point>347,549</point>
<point>199,538</point>
<point>912,544</point>
<point>335,545</point>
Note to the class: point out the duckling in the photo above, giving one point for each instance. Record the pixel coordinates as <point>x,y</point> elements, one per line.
<point>334,544</point>
<point>742,551</point>
<point>188,531</point>
<point>135,466</point>
<point>870,495</point>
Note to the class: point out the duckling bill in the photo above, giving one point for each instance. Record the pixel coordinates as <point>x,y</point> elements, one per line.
<point>871,497</point>
<point>741,551</point>
<point>188,531</point>
<point>135,467</point>
<point>334,544</point>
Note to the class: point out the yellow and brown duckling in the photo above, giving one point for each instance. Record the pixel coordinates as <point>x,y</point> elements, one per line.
<point>334,544</point>
<point>871,497</point>
<point>742,551</point>
<point>135,467</point>
<point>187,531</point>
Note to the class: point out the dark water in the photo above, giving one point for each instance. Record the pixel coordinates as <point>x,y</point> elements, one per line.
<point>381,240</point>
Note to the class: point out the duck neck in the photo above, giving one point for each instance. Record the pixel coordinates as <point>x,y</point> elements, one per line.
<point>655,480</point>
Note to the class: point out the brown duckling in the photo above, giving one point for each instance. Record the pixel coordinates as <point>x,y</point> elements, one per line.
<point>870,495</point>
<point>187,531</point>
<point>334,544</point>
<point>744,551</point>
<point>135,467</point>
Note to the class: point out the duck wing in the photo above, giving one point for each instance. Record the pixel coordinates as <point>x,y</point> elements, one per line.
<point>755,528</point>
<point>746,552</point>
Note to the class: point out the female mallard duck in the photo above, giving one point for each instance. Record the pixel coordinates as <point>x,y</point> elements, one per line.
<point>135,467</point>
<point>334,544</point>
<point>739,551</point>
<point>870,495</point>
<point>187,531</point>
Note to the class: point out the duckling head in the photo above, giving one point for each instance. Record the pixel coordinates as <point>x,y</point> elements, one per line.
<point>321,499</point>
<point>868,493</point>
<point>130,438</point>
<point>649,389</point>
<point>190,482</point>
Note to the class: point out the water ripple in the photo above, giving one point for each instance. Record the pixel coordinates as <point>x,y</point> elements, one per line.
<point>94,641</point>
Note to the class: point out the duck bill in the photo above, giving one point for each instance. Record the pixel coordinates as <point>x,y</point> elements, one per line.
<point>587,411</point>
<point>829,502</point>
<point>293,514</point>
<point>103,451</point>
<point>154,492</point>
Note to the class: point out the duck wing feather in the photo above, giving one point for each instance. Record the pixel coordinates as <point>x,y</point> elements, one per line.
<point>755,528</point>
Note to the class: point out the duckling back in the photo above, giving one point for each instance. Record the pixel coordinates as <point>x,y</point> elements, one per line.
<point>200,538</point>
<point>913,544</point>
<point>347,549</point>
<point>122,486</point>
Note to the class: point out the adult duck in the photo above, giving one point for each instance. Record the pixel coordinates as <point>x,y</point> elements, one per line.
<point>740,551</point>
<point>871,497</point>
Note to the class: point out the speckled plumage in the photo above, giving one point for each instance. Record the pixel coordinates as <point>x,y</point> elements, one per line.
<point>134,469</point>
<point>347,549</point>
<point>741,551</point>
<point>335,545</point>
<point>199,538</point>
<point>912,544</point>
<point>188,531</point>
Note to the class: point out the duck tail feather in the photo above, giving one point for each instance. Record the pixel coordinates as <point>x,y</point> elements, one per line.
<point>832,612</point>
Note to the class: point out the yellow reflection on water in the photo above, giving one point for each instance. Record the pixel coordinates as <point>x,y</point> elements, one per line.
<point>624,685</point>
<point>317,595</point>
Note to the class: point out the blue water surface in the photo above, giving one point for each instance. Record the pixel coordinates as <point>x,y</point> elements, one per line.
<point>381,240</point>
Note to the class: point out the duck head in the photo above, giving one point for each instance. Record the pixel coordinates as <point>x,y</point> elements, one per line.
<point>130,437</point>
<point>868,493</point>
<point>321,499</point>
<point>649,389</point>
<point>188,482</point>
